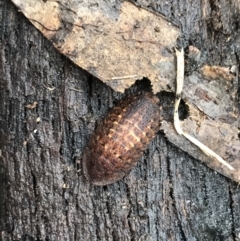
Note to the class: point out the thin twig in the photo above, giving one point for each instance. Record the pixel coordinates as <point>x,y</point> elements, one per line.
<point>124,77</point>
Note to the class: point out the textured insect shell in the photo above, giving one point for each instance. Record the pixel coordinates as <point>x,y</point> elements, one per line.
<point>120,139</point>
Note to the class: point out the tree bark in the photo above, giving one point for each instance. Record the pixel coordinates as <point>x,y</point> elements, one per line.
<point>43,194</point>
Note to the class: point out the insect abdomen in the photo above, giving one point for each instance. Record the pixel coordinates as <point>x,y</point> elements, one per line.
<point>120,139</point>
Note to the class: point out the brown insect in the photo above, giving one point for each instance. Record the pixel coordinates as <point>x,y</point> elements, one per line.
<point>120,139</point>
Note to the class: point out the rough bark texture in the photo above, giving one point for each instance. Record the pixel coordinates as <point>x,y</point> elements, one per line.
<point>43,195</point>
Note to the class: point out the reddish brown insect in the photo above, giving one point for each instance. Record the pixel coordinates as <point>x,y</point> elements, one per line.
<point>120,139</point>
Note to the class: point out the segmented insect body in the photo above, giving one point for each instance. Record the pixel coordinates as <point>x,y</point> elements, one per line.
<point>120,139</point>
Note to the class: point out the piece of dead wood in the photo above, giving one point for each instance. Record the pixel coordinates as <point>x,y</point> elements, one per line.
<point>180,82</point>
<point>122,43</point>
<point>117,44</point>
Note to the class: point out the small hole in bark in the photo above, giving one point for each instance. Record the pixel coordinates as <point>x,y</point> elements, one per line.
<point>167,101</point>
<point>183,110</point>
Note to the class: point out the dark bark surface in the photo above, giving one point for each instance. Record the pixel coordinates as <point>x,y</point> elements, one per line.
<point>43,194</point>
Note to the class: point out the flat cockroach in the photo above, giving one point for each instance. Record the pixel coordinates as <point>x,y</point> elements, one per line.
<point>121,138</point>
